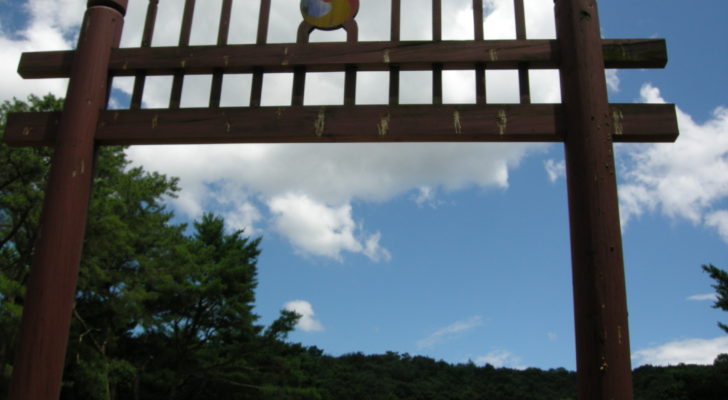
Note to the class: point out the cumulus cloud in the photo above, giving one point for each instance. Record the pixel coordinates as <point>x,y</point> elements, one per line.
<point>681,179</point>
<point>501,358</point>
<point>307,322</point>
<point>449,332</point>
<point>688,351</point>
<point>316,228</point>
<point>51,25</point>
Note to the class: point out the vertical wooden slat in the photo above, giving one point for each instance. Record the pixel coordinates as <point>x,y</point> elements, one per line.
<point>436,20</point>
<point>436,83</point>
<point>147,35</point>
<point>186,29</point>
<point>478,19</point>
<point>480,95</point>
<point>437,36</point>
<point>394,34</point>
<point>256,89</point>
<point>263,20</point>
<point>222,39</point>
<point>299,73</point>
<point>352,36</point>
<point>224,28</point>
<point>184,41</point>
<point>299,86</point>
<point>523,81</point>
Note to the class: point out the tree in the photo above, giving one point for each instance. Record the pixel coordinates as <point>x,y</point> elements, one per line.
<point>158,313</point>
<point>721,287</point>
<point>127,224</point>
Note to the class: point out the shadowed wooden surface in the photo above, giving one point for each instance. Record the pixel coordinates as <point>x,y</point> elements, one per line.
<point>326,57</point>
<point>316,124</point>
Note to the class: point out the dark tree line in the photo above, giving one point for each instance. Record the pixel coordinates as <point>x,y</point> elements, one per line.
<point>165,311</point>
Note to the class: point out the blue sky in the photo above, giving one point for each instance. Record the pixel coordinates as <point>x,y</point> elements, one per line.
<point>458,252</point>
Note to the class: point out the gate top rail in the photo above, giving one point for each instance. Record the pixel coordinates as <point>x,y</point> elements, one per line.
<point>331,57</point>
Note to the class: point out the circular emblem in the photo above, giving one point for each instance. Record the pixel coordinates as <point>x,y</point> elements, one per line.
<point>328,14</point>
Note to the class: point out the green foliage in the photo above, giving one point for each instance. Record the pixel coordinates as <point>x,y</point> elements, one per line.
<point>22,179</point>
<point>721,287</point>
<point>158,313</point>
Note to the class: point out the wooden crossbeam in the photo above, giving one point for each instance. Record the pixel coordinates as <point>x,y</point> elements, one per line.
<point>367,56</point>
<point>314,124</point>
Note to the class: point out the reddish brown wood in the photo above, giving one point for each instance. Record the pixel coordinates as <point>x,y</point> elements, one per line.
<point>520,14</point>
<point>394,37</point>
<point>147,35</point>
<point>263,20</point>
<point>186,28</point>
<point>524,84</point>
<point>635,123</point>
<point>256,89</point>
<point>350,85</point>
<point>352,36</point>
<point>149,21</point>
<point>222,38</point>
<point>224,28</point>
<point>175,95</point>
<point>437,84</point>
<point>49,299</point>
<point>396,16</point>
<point>600,300</point>
<point>328,57</point>
<point>436,20</point>
<point>478,19</point>
<point>480,95</point>
<point>437,67</point>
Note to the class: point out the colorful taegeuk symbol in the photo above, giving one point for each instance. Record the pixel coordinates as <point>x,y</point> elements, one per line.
<point>328,14</point>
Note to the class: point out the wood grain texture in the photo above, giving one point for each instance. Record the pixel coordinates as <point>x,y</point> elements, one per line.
<point>328,57</point>
<point>406,123</point>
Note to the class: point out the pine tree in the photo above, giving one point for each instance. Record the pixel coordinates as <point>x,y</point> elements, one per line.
<point>721,287</point>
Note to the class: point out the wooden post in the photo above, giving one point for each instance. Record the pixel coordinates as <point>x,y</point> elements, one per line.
<point>49,301</point>
<point>600,300</point>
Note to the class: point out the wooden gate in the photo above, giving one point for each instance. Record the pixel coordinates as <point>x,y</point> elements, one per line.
<point>584,121</point>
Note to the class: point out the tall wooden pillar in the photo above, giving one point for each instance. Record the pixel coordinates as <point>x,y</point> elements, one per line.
<point>49,302</point>
<point>600,301</point>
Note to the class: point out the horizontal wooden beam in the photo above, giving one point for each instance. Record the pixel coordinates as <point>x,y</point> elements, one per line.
<point>326,57</point>
<point>313,124</point>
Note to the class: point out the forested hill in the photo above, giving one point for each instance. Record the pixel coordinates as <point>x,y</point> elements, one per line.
<point>400,376</point>
<point>163,311</point>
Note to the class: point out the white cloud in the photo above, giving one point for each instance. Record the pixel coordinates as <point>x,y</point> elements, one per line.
<point>613,80</point>
<point>501,358</point>
<point>307,322</point>
<point>682,179</point>
<point>52,25</point>
<point>555,169</point>
<point>719,221</point>
<point>449,332</point>
<point>704,297</point>
<point>552,336</point>
<point>322,230</point>
<point>426,196</point>
<point>325,179</point>
<point>688,351</point>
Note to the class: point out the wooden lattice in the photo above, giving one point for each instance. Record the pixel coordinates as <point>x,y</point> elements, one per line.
<point>437,122</point>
